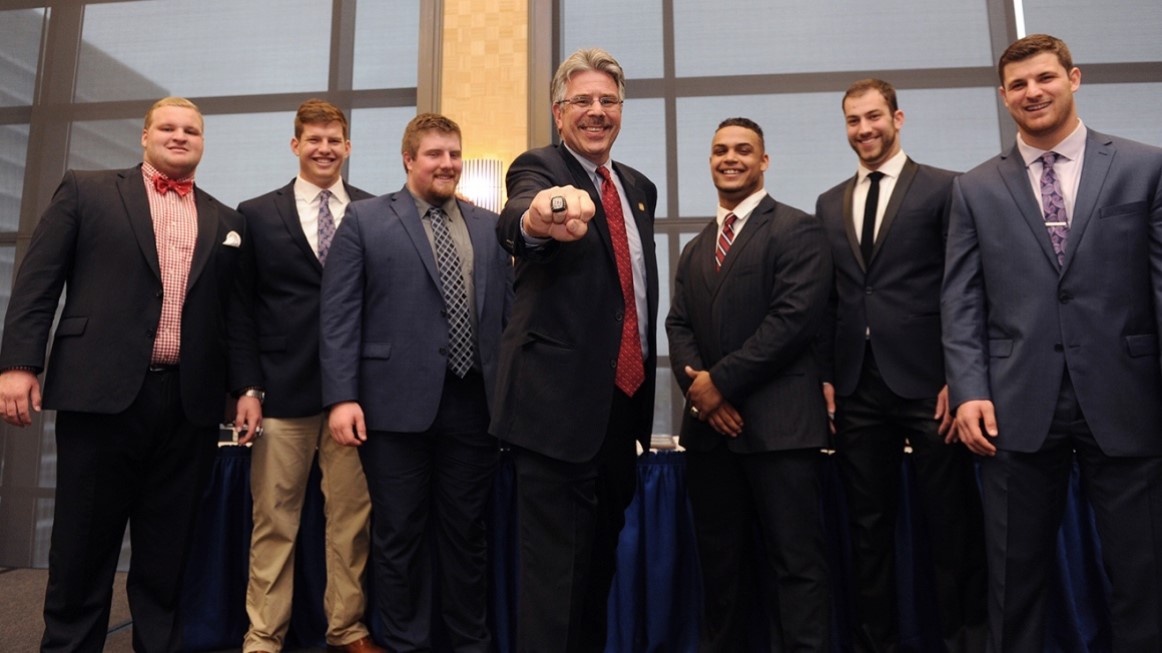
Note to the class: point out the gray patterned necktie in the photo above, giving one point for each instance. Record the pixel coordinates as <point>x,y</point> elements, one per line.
<point>455,295</point>
<point>1053,203</point>
<point>326,225</point>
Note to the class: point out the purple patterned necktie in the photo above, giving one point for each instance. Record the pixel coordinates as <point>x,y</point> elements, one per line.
<point>1053,202</point>
<point>326,225</point>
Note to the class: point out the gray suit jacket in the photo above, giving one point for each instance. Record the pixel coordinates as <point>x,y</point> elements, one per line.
<point>752,325</point>
<point>384,334</point>
<point>1014,320</point>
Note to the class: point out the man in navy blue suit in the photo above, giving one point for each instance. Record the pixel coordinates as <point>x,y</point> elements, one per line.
<point>415,294</point>
<point>1052,305</point>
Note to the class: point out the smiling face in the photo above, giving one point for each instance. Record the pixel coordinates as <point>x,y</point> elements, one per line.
<point>589,131</point>
<point>737,163</point>
<point>873,129</point>
<point>173,141</point>
<point>1038,92</point>
<point>321,148</point>
<point>434,169</point>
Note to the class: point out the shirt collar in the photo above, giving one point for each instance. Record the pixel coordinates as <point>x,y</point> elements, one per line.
<point>309,192</point>
<point>422,206</point>
<point>590,167</point>
<point>1071,147</point>
<point>891,168</point>
<point>744,208</point>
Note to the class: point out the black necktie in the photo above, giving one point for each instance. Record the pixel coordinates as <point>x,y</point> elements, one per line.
<point>868,239</point>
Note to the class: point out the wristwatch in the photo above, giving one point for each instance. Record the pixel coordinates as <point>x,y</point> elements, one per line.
<point>257,393</point>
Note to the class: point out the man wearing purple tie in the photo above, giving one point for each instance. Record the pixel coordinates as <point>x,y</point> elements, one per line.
<point>1052,305</point>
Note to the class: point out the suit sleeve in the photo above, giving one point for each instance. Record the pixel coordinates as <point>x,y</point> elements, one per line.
<point>341,312</point>
<point>683,342</point>
<point>1156,254</point>
<point>798,299</point>
<point>963,311</point>
<point>825,340</point>
<point>526,177</point>
<point>41,278</point>
<point>245,363</point>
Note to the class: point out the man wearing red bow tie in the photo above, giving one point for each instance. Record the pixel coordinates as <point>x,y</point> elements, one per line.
<point>137,376</point>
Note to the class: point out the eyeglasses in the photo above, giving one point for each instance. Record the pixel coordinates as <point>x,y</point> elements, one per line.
<point>607,102</point>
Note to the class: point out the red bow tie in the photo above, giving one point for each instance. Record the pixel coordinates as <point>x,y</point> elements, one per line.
<point>165,184</point>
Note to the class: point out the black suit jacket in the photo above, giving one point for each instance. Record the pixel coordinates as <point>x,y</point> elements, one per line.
<point>559,353</point>
<point>96,238</point>
<point>752,325</point>
<point>279,333</point>
<point>897,293</point>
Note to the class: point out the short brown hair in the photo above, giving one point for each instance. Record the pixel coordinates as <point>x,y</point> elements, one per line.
<point>423,123</point>
<point>1031,46</point>
<point>582,61</point>
<point>318,112</point>
<point>862,86</point>
<point>171,101</point>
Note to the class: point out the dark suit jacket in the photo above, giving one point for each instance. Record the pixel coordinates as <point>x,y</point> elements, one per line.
<point>559,353</point>
<point>280,329</point>
<point>1014,320</point>
<point>752,324</point>
<point>384,331</point>
<point>897,295</point>
<point>96,238</point>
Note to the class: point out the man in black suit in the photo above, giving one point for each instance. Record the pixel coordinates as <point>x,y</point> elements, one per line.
<point>575,391</point>
<point>138,374</point>
<point>290,234</point>
<point>884,376</point>
<point>749,296</point>
<point>1052,307</point>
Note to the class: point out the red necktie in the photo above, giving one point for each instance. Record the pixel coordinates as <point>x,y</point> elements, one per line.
<point>630,372</point>
<point>725,240</point>
<point>165,184</point>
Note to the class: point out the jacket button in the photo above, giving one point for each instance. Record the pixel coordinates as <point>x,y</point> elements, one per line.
<point>613,363</point>
<point>158,294</point>
<point>868,290</point>
<point>443,312</point>
<point>443,351</point>
<point>1058,347</point>
<point>1064,297</point>
<point>618,316</point>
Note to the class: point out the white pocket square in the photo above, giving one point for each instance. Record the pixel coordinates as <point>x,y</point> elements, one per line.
<point>232,240</point>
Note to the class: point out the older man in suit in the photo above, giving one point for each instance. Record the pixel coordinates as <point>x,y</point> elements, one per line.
<point>138,374</point>
<point>749,297</point>
<point>576,383</point>
<point>415,295</point>
<point>1052,307</point>
<point>884,376</point>
<point>291,229</point>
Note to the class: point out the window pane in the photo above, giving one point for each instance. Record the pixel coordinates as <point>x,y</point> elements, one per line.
<point>20,32</point>
<point>105,144</point>
<point>196,48</point>
<point>807,140</point>
<point>376,164</point>
<point>665,275</point>
<point>1114,31</point>
<point>785,36</point>
<point>630,31</point>
<point>7,261</point>
<point>641,144</point>
<point>247,154</point>
<point>1117,109</point>
<point>13,150</point>
<point>386,43</point>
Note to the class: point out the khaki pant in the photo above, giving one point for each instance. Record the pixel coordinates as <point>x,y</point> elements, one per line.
<point>279,468</point>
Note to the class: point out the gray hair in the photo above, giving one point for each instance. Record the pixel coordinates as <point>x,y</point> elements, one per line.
<point>582,61</point>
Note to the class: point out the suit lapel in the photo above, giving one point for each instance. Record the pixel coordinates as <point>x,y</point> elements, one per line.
<point>756,221</point>
<point>907,175</point>
<point>482,237</point>
<point>581,179</point>
<point>288,211</point>
<point>1016,177</point>
<point>207,235</point>
<point>404,206</point>
<point>131,187</point>
<point>703,256</point>
<point>1099,156</point>
<point>849,222</point>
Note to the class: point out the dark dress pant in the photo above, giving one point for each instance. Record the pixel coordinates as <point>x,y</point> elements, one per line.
<point>147,467</point>
<point>873,424</point>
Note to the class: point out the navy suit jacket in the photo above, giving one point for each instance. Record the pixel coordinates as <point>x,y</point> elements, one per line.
<point>752,325</point>
<point>1015,320</point>
<point>897,293</point>
<point>559,353</point>
<point>384,336</point>
<point>280,326</point>
<point>96,239</point>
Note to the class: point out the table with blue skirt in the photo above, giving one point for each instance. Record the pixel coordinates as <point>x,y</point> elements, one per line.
<point>654,602</point>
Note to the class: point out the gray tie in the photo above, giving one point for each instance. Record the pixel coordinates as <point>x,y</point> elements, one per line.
<point>326,225</point>
<point>455,296</point>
